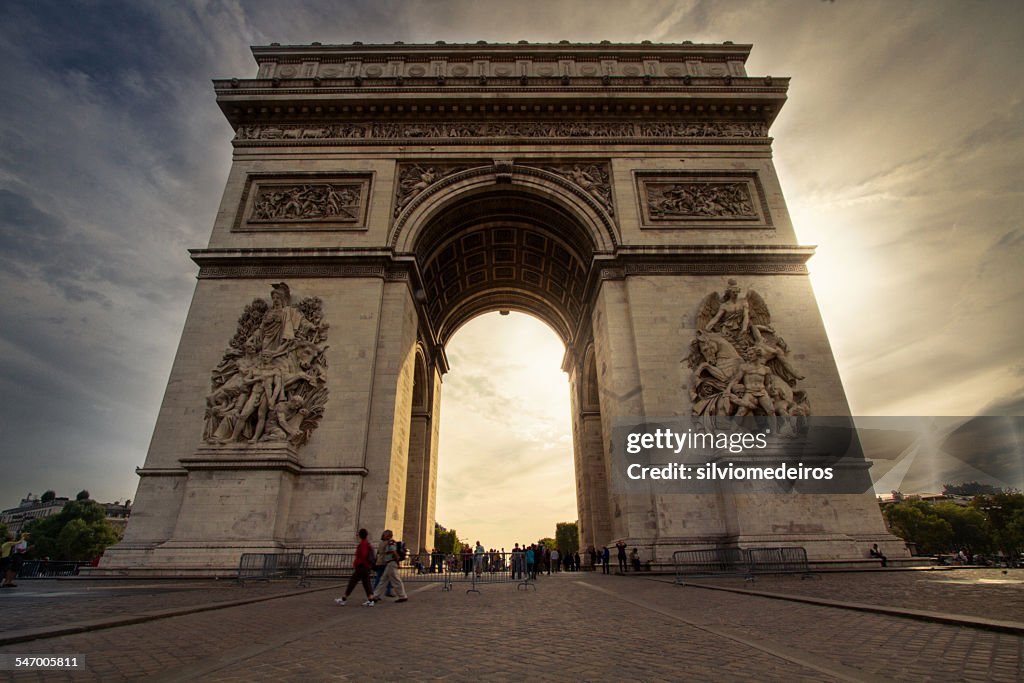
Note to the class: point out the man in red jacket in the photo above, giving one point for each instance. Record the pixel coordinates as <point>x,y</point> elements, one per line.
<point>361,567</point>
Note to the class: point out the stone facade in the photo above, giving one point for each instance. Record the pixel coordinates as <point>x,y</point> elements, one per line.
<point>606,189</point>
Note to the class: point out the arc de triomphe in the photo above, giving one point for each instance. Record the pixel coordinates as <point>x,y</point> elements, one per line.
<point>381,196</point>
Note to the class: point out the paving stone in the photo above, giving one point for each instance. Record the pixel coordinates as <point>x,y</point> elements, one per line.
<point>583,627</point>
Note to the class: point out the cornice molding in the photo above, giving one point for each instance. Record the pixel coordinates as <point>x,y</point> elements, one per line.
<point>386,264</point>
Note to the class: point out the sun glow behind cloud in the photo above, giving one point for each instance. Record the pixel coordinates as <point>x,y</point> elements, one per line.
<point>505,465</point>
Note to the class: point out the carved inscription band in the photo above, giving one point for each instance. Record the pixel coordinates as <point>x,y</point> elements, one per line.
<point>498,129</point>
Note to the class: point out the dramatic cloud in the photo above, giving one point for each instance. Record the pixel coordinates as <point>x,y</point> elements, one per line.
<point>899,153</point>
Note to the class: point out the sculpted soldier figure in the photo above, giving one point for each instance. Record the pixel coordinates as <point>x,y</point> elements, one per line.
<point>271,383</point>
<point>740,365</point>
<point>754,376</point>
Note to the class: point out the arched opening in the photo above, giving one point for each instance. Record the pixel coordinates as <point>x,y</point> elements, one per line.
<point>505,471</point>
<point>500,247</point>
<point>504,251</point>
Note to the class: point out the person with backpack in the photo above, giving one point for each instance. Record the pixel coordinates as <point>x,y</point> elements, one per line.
<point>360,570</point>
<point>390,553</point>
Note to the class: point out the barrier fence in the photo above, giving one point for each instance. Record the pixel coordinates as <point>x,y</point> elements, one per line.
<point>267,566</point>
<point>695,564</point>
<point>785,560</point>
<point>745,562</point>
<point>492,568</point>
<point>446,570</point>
<point>45,569</point>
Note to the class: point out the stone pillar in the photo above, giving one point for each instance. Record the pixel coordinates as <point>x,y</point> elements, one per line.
<point>583,510</point>
<point>421,486</point>
<point>413,531</point>
<point>389,425</point>
<point>621,395</point>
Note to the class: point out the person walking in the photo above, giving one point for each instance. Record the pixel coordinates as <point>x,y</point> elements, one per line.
<point>555,562</point>
<point>605,557</point>
<point>388,554</point>
<point>360,570</point>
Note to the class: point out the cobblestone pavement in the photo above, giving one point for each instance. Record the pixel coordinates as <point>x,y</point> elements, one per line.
<point>585,627</point>
<point>987,593</point>
<point>39,603</point>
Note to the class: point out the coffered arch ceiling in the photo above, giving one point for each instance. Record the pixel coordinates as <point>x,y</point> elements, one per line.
<point>504,249</point>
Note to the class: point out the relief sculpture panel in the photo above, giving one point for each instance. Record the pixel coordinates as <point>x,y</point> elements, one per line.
<point>304,202</point>
<point>702,199</point>
<point>740,364</point>
<point>270,385</point>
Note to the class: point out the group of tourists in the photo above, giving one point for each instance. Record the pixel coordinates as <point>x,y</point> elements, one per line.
<point>525,562</point>
<point>384,561</point>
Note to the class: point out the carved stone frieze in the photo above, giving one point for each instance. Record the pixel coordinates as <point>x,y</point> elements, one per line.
<point>270,386</point>
<point>304,201</point>
<point>699,200</point>
<point>594,179</point>
<point>290,131</point>
<point>704,129</point>
<point>702,198</point>
<point>414,178</point>
<point>740,364</point>
<point>501,129</point>
<point>307,202</point>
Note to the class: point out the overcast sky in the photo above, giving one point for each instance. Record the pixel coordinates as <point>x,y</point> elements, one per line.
<point>900,154</point>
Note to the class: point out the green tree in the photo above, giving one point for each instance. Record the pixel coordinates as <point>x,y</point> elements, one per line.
<point>5,533</point>
<point>567,536</point>
<point>47,496</point>
<point>549,543</point>
<point>1011,539</point>
<point>1005,513</point>
<point>82,495</point>
<point>445,540</point>
<point>914,521</point>
<point>79,532</point>
<point>970,526</point>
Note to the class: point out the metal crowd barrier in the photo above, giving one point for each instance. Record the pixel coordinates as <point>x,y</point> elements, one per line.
<point>446,570</point>
<point>267,566</point>
<point>785,560</point>
<point>493,568</point>
<point>45,569</point>
<point>745,562</point>
<point>695,564</point>
<point>339,566</point>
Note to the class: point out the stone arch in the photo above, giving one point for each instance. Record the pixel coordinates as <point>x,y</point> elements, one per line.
<point>504,238</point>
<point>535,181</point>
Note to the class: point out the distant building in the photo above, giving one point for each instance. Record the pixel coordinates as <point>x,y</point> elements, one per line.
<point>896,497</point>
<point>31,507</point>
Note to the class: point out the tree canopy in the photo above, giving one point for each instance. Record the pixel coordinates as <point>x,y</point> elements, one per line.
<point>445,540</point>
<point>79,532</point>
<point>567,536</point>
<point>989,523</point>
